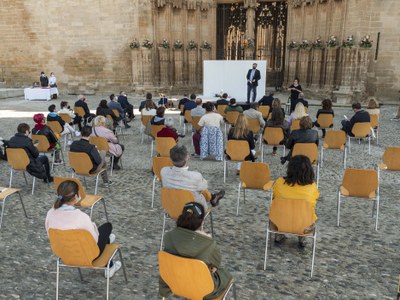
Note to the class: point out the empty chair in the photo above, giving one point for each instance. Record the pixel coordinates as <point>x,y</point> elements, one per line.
<point>390,160</point>
<point>4,194</point>
<point>335,140</point>
<point>163,145</point>
<point>361,131</point>
<point>295,124</point>
<point>311,151</point>
<point>159,162</point>
<point>237,150</point>
<point>359,183</point>
<point>273,136</point>
<point>154,129</point>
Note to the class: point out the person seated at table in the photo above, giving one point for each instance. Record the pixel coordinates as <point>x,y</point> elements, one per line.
<point>253,113</point>
<point>114,105</point>
<point>198,111</point>
<point>299,183</point>
<point>66,128</point>
<point>159,118</point>
<point>64,215</point>
<point>278,120</point>
<point>168,130</point>
<point>104,110</point>
<point>223,100</point>
<point>360,116</point>
<point>66,109</point>
<point>126,106</point>
<point>149,97</point>
<point>163,100</point>
<point>233,106</point>
<point>41,128</point>
<point>326,109</point>
<point>88,116</point>
<point>44,80</point>
<point>267,100</point>
<point>189,240</point>
<point>183,101</point>
<point>116,149</point>
<point>298,113</point>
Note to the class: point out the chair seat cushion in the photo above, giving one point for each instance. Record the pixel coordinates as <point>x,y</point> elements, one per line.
<point>89,200</point>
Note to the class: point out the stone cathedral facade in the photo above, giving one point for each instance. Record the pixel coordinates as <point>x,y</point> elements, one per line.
<point>344,49</point>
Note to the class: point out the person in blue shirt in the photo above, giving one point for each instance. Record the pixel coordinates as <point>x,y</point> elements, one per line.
<point>190,104</point>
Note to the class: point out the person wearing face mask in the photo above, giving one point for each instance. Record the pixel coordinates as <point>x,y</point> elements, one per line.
<point>295,89</point>
<point>253,76</point>
<point>65,216</point>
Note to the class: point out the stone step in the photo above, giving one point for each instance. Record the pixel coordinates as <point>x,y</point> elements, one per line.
<point>11,93</point>
<point>2,84</point>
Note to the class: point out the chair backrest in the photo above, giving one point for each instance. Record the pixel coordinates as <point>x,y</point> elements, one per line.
<point>361,130</point>
<point>237,149</point>
<point>264,109</point>
<point>391,158</point>
<point>221,109</point>
<point>58,180</point>
<point>335,139</point>
<point>43,145</point>
<point>116,112</point>
<point>145,119</point>
<point>17,158</point>
<point>325,120</point>
<point>254,174</point>
<point>359,183</point>
<point>374,120</point>
<point>291,215</point>
<point>164,145</point>
<point>75,247</point>
<point>231,117</point>
<point>195,122</point>
<point>181,107</point>
<point>80,162</point>
<point>154,129</point>
<point>160,162</point>
<point>273,135</point>
<point>295,124</point>
<point>253,125</point>
<point>100,142</point>
<point>66,117</point>
<point>55,126</point>
<point>188,116</point>
<point>186,277</point>
<point>79,111</point>
<point>173,201</point>
<point>307,149</point>
<point>110,118</point>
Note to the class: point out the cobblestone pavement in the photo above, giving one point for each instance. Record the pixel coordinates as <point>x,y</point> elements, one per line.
<point>352,261</point>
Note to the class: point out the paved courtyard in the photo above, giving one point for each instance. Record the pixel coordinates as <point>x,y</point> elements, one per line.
<point>352,262</point>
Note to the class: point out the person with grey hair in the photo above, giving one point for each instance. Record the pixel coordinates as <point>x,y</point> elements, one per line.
<point>168,130</point>
<point>81,103</point>
<point>198,111</point>
<point>179,177</point>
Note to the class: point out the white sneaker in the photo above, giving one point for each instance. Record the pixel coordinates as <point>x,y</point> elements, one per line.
<point>112,238</point>
<point>77,133</point>
<point>116,266</point>
<point>69,143</point>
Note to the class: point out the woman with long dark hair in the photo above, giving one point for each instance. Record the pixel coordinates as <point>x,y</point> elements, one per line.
<point>277,120</point>
<point>326,109</point>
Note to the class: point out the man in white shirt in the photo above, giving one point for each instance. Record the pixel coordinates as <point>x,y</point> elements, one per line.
<point>198,111</point>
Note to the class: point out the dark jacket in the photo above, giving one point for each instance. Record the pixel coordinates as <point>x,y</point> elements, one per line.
<point>256,77</point>
<point>222,101</point>
<point>84,105</point>
<point>360,116</point>
<point>266,101</point>
<point>302,136</point>
<point>44,81</point>
<point>100,111</point>
<point>123,100</point>
<point>48,133</point>
<point>157,120</point>
<point>305,102</point>
<point>84,146</point>
<point>189,106</point>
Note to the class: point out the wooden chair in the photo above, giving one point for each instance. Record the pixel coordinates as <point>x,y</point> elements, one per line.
<point>254,175</point>
<point>57,128</point>
<point>188,277</point>
<point>120,124</point>
<point>163,145</point>
<point>87,200</point>
<point>18,160</point>
<point>159,162</point>
<point>311,151</point>
<point>390,159</point>
<point>81,164</point>
<point>361,131</point>
<point>195,123</point>
<point>80,112</point>
<point>335,140</point>
<point>273,136</point>
<point>187,118</point>
<point>325,121</point>
<point>78,249</point>
<point>154,129</point>
<point>291,217</point>
<point>254,125</point>
<point>145,120</point>
<point>101,144</point>
<point>173,201</point>
<point>65,117</point>
<point>43,147</point>
<point>221,109</point>
<point>264,109</point>
<point>295,124</point>
<point>359,183</point>
<point>4,194</point>
<point>237,150</point>
<point>230,118</point>
<point>374,120</point>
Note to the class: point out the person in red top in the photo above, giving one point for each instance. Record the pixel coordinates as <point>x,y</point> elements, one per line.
<point>168,130</point>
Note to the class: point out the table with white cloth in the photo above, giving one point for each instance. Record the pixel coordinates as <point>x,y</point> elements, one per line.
<point>39,93</point>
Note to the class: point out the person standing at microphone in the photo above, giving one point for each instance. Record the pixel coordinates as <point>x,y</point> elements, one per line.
<point>253,76</point>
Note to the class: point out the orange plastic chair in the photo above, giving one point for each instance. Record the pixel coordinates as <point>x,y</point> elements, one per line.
<point>374,119</point>
<point>221,109</point>
<point>187,277</point>
<point>311,151</point>
<point>43,147</point>
<point>79,111</point>
<point>295,124</point>
<point>159,162</point>
<point>187,118</point>
<point>291,217</point>
<point>163,145</point>
<point>154,129</point>
<point>325,121</point>
<point>254,175</point>
<point>145,121</point>
<point>361,131</point>
<point>253,125</point>
<point>273,136</point>
<point>237,150</point>
<point>195,123</point>
<point>78,249</point>
<point>390,159</point>
<point>65,117</point>
<point>264,109</point>
<point>57,128</point>
<point>101,144</point>
<point>4,194</point>
<point>360,184</point>
<point>335,140</point>
<point>87,200</point>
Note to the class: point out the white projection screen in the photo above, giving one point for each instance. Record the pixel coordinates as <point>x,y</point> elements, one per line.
<point>230,76</point>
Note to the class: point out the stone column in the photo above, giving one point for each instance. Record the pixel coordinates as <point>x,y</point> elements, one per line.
<point>363,59</point>
<point>347,70</point>
<point>178,66</point>
<point>330,67</point>
<point>303,72</point>
<point>205,55</point>
<point>317,56</point>
<point>164,54</point>
<point>249,53</point>
<point>292,66</point>
<point>136,67</point>
<point>147,67</point>
<point>192,64</point>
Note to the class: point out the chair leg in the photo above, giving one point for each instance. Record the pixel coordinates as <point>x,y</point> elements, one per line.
<point>80,274</point>
<point>152,148</point>
<point>2,211</point>
<point>33,185</point>
<point>338,210</point>
<point>153,192</point>
<point>377,213</point>
<point>22,203</point>
<point>163,228</point>
<point>97,182</point>
<point>266,249</point>
<point>322,156</point>
<point>112,165</point>
<point>224,170</point>
<point>317,174</point>
<point>344,157</point>
<point>238,199</point>
<point>369,145</point>
<point>313,253</point>
<point>262,151</point>
<point>11,177</point>
<point>105,208</point>
<point>108,280</point>
<point>84,180</point>
<point>349,139</point>
<point>123,265</point>
<point>57,277</point>
<point>212,224</point>
<point>26,180</point>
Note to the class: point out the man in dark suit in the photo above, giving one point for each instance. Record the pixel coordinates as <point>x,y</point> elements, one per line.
<point>44,81</point>
<point>223,100</point>
<point>190,104</point>
<point>253,76</point>
<point>123,100</point>
<point>360,116</point>
<point>81,103</point>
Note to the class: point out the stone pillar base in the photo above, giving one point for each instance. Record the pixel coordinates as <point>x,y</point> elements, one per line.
<point>343,96</point>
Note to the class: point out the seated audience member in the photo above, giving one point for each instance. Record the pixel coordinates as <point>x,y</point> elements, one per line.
<point>373,106</point>
<point>267,100</point>
<point>64,215</point>
<point>98,158</point>
<point>304,135</point>
<point>149,98</point>
<point>66,128</point>
<point>198,111</point>
<point>189,240</point>
<point>295,89</point>
<point>190,104</point>
<point>276,103</point>
<point>149,108</point>
<point>163,100</point>
<point>116,149</point>
<point>233,106</point>
<point>104,110</point>
<point>38,164</point>
<point>360,116</point>
<point>66,109</point>
<point>183,101</point>
<point>326,109</point>
<point>179,177</point>
<point>168,130</point>
<point>126,106</point>
<point>159,118</point>
<point>223,100</point>
<point>278,120</point>
<point>41,128</point>
<point>299,183</point>
<point>298,113</point>
<point>302,100</point>
<point>253,113</point>
<point>81,103</point>
<point>113,104</point>
<point>241,132</point>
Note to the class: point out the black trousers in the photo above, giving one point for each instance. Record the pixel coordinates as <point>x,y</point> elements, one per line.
<point>45,161</point>
<point>104,237</point>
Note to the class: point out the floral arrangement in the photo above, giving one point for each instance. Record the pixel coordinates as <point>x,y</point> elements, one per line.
<point>348,43</point>
<point>147,44</point>
<point>332,42</point>
<point>366,42</point>
<point>178,44</point>
<point>304,44</point>
<point>293,45</point>
<point>164,44</point>
<point>318,44</point>
<point>205,45</point>
<point>249,43</point>
<point>191,45</point>
<point>134,44</point>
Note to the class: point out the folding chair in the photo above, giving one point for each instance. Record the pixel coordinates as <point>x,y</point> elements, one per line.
<point>145,120</point>
<point>154,129</point>
<point>374,119</point>
<point>254,175</point>
<point>361,131</point>
<point>221,109</point>
<point>237,150</point>
<point>195,123</point>
<point>159,162</point>
<point>295,125</point>
<point>390,159</point>
<point>187,118</point>
<point>335,140</point>
<point>359,183</point>
<point>325,121</point>
<point>163,145</point>
<point>101,144</point>
<point>291,217</point>
<point>273,136</point>
<point>78,249</point>
<point>57,128</point>
<point>65,117</point>
<point>311,151</point>
<point>230,118</point>
<point>87,200</point>
<point>43,147</point>
<point>264,109</point>
<point>253,125</point>
<point>4,194</point>
<point>188,278</point>
<point>80,112</point>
